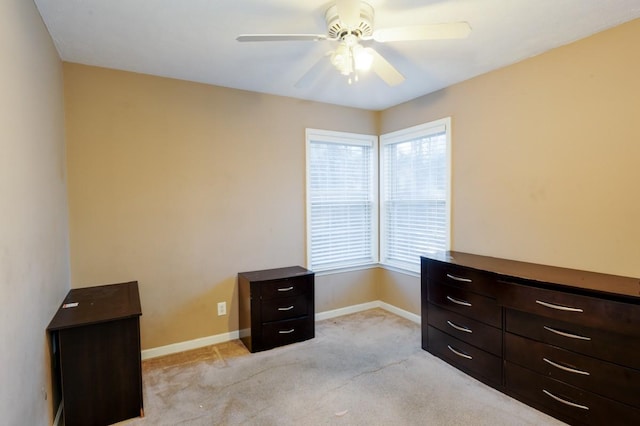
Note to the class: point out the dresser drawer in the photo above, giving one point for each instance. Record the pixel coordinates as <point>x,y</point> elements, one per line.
<point>284,308</point>
<point>466,303</point>
<point>601,344</point>
<point>294,286</point>
<point>604,378</point>
<point>466,329</point>
<point>618,317</point>
<point>463,277</point>
<point>466,357</point>
<point>281,333</point>
<point>574,403</point>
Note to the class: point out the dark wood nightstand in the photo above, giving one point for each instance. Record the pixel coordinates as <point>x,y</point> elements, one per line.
<point>96,335</point>
<point>276,307</point>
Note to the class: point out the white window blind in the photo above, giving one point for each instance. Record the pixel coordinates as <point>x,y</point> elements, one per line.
<point>415,182</point>
<point>341,200</point>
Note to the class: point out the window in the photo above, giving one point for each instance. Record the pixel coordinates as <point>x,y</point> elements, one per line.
<point>342,204</point>
<point>415,188</point>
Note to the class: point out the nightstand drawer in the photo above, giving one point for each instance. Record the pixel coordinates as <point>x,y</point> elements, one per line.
<point>284,308</point>
<point>604,378</point>
<point>466,303</point>
<point>285,288</point>
<point>574,403</point>
<point>466,329</point>
<point>464,356</point>
<point>284,332</point>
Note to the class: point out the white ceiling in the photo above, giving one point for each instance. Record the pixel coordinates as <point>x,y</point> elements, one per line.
<point>195,40</point>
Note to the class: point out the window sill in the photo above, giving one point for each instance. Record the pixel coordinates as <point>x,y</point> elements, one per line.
<point>346,269</point>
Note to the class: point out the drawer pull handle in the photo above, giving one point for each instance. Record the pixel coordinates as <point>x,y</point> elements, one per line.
<point>569,369</point>
<point>286,288</point>
<point>458,302</point>
<point>558,307</point>
<point>464,280</point>
<point>463,355</point>
<point>564,401</point>
<point>288,308</point>
<point>565,334</point>
<point>287,331</point>
<point>459,328</point>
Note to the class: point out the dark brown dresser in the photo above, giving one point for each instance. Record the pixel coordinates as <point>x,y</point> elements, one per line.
<point>276,307</point>
<point>96,335</point>
<point>563,341</point>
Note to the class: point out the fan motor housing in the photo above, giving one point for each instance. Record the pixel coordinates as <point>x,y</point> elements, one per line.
<point>337,30</point>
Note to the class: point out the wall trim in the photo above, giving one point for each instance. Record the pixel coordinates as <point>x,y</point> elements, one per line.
<point>58,417</point>
<point>233,335</point>
<point>189,345</point>
<point>347,310</point>
<point>366,306</point>
<point>401,312</point>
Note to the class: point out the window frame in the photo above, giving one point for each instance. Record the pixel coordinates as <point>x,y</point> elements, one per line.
<point>405,135</point>
<point>344,138</point>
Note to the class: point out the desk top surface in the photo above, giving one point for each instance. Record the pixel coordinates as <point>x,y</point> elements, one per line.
<point>91,305</point>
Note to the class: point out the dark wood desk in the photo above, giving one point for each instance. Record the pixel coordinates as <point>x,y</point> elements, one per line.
<point>97,345</point>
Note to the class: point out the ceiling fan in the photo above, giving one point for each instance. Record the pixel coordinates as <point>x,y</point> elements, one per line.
<point>350,22</point>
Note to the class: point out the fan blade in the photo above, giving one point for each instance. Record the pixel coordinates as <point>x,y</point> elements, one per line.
<point>384,69</point>
<point>314,73</point>
<point>452,30</point>
<point>281,37</point>
<point>349,12</point>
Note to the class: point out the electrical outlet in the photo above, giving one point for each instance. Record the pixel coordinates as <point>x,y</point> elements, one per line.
<point>222,308</point>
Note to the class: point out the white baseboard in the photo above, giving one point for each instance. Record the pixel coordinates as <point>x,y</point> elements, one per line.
<point>366,306</point>
<point>347,310</point>
<point>189,345</point>
<point>58,418</point>
<point>401,312</point>
<point>233,335</point>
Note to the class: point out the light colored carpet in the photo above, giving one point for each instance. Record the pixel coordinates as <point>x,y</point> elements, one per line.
<point>362,369</point>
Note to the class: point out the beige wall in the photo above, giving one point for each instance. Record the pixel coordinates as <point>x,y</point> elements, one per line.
<point>181,186</point>
<point>34,262</point>
<point>545,156</point>
<point>399,289</point>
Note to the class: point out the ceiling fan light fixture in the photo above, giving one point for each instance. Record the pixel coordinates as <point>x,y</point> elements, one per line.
<point>350,57</point>
<point>341,58</point>
<point>362,58</point>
